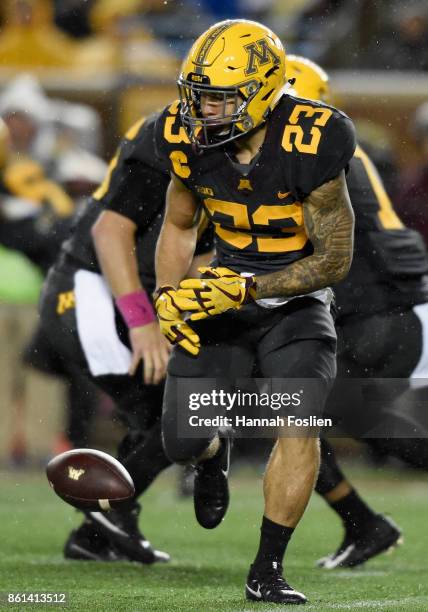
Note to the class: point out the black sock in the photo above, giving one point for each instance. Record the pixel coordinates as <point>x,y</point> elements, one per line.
<point>273,542</point>
<point>353,511</point>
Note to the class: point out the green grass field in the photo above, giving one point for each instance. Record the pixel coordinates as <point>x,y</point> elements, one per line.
<point>209,568</point>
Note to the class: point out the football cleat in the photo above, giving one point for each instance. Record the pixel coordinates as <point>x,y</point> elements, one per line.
<point>379,535</point>
<point>211,488</point>
<point>121,529</point>
<point>267,584</point>
<point>86,543</point>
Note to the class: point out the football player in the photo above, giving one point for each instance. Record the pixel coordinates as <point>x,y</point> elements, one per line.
<point>269,171</point>
<point>382,300</point>
<point>115,342</point>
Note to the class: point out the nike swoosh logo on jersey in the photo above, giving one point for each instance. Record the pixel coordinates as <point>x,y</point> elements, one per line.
<point>283,194</point>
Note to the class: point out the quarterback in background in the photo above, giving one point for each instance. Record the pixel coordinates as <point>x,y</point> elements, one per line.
<point>269,170</point>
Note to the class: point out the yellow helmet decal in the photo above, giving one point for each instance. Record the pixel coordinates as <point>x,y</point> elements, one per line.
<point>259,54</point>
<point>207,44</point>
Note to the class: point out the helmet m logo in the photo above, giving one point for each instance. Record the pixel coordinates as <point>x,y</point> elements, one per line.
<point>259,53</point>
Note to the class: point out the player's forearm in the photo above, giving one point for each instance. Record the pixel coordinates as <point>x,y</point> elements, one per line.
<point>174,253</point>
<point>304,276</point>
<point>199,261</point>
<point>329,222</point>
<point>115,245</point>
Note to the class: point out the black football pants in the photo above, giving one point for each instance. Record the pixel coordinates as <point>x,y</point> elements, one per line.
<point>382,346</point>
<point>297,340</point>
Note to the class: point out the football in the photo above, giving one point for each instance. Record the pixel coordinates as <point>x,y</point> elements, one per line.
<point>90,479</point>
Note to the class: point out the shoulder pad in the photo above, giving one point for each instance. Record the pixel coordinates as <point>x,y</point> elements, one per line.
<point>172,144</point>
<point>317,141</point>
<point>138,142</point>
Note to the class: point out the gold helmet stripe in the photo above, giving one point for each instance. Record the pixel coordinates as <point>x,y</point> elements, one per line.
<point>207,45</point>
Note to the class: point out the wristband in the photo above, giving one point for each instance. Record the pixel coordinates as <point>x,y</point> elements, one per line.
<point>136,309</point>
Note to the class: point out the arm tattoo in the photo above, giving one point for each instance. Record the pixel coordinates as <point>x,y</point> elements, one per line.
<point>329,222</point>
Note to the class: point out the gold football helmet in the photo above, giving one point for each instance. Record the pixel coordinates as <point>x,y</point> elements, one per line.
<point>241,65</point>
<point>310,80</point>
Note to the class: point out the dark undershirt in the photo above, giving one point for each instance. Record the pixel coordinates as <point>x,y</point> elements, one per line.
<point>243,169</point>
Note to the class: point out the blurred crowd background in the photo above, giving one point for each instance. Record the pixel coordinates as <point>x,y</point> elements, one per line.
<point>75,74</point>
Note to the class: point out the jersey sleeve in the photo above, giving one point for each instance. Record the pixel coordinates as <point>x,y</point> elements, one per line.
<point>138,193</point>
<point>336,149</point>
<point>372,205</point>
<point>392,249</point>
<point>136,181</point>
<point>172,145</point>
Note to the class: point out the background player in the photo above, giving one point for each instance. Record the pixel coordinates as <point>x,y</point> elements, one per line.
<point>257,146</point>
<point>80,330</point>
<point>382,300</point>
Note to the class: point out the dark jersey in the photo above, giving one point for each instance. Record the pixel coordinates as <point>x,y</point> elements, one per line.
<point>390,264</point>
<point>135,187</point>
<point>257,209</point>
